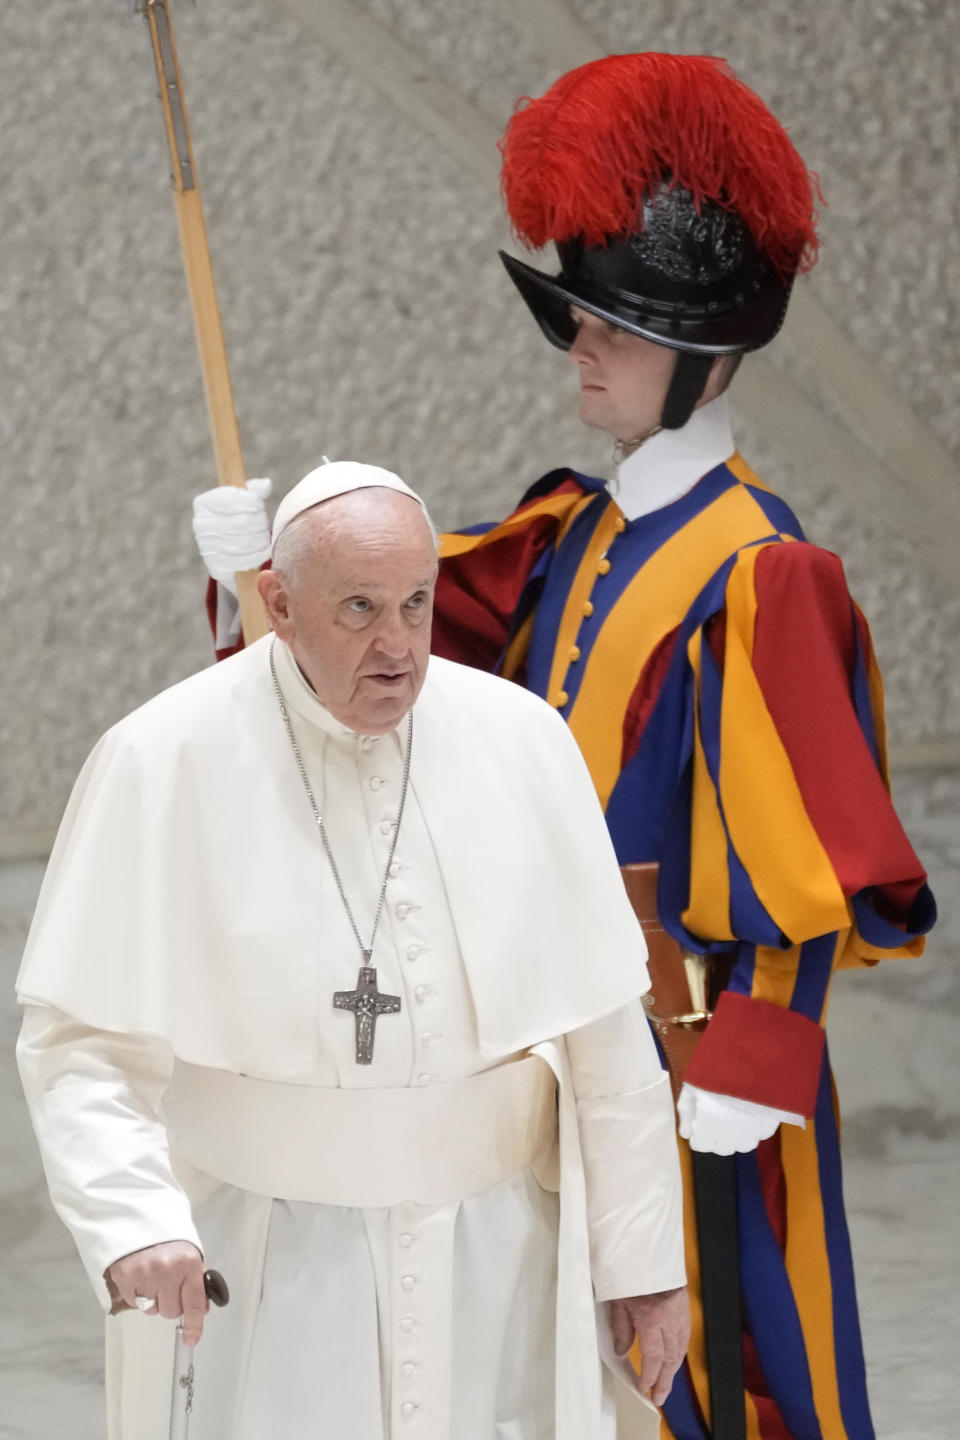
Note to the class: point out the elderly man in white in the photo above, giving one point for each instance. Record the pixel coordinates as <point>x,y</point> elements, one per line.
<point>326,930</point>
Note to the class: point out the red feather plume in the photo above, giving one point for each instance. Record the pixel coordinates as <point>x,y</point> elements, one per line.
<point>581,159</point>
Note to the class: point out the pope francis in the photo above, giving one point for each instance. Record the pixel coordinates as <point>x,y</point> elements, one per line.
<point>333,984</point>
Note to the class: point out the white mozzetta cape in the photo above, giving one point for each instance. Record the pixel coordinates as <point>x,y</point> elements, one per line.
<point>181,899</point>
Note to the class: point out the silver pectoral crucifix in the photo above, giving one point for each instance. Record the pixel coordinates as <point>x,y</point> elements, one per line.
<point>367,1004</point>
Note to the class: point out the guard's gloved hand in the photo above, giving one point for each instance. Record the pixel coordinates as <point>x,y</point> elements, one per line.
<point>231,529</point>
<point>722,1125</point>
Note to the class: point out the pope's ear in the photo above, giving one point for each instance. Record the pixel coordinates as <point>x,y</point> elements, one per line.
<point>276,598</point>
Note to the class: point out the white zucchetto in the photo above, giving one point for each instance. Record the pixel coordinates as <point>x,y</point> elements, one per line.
<point>333,478</point>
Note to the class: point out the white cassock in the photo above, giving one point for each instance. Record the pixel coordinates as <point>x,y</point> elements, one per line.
<point>400,1260</point>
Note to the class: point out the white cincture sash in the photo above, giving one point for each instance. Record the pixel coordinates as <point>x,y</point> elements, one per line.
<point>365,1148</point>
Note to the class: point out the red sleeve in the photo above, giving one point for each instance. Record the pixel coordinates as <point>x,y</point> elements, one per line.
<point>212,601</point>
<point>480,584</point>
<point>812,661</point>
<point>809,641</point>
<point>476,597</point>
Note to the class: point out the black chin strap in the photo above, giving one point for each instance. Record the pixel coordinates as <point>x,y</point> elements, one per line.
<point>686,387</point>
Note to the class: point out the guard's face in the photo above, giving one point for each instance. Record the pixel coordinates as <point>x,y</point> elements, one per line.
<point>623,378</point>
<point>357,616</point>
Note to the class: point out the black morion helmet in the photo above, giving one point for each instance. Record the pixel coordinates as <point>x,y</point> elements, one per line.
<point>679,208</point>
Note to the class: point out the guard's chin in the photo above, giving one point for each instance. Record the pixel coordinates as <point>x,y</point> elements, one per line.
<point>589,416</point>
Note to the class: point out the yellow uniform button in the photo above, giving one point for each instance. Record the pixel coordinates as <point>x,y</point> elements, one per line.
<point>603,566</point>
<point>562,699</point>
<point>588,608</point>
<point>574,652</point>
<point>620,525</point>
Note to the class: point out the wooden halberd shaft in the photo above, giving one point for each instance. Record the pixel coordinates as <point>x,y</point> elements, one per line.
<point>207,325</point>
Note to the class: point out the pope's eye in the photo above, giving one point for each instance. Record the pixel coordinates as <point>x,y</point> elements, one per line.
<point>416,602</point>
<point>358,606</point>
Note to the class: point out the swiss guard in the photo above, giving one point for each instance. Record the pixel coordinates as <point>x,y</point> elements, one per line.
<point>722,685</point>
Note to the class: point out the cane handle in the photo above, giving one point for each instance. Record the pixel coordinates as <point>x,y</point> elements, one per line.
<point>216,1287</point>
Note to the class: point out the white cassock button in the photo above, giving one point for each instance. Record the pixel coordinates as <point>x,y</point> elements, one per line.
<point>420,994</point>
<point>376,783</point>
<point>408,1281</point>
<point>402,911</point>
<point>413,951</point>
<point>386,827</point>
<point>408,1367</point>
<point>406,1239</point>
<point>407,1408</point>
<point>424,1079</point>
<point>407,1324</point>
<point>394,869</point>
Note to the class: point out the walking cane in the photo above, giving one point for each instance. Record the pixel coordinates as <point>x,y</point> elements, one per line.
<point>207,326</point>
<point>184,1372</point>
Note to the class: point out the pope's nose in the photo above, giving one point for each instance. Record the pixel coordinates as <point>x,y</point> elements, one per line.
<point>391,639</point>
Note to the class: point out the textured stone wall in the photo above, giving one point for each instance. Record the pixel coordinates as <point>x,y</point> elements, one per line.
<point>367,315</point>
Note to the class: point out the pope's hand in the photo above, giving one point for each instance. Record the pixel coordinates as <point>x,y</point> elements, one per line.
<point>231,529</point>
<point>170,1273</point>
<point>722,1125</point>
<point>661,1324</point>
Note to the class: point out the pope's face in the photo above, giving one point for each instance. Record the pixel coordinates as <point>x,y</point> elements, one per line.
<point>356,607</point>
<point>623,378</point>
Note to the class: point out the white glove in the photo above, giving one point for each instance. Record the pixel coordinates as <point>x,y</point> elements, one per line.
<point>722,1125</point>
<point>231,529</point>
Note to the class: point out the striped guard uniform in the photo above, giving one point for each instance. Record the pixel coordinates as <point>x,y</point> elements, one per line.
<point>723,688</point>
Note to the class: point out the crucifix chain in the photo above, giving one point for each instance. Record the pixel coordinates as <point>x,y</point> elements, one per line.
<point>366,1002</point>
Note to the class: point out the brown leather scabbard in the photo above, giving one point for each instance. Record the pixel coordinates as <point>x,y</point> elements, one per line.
<point>676,1004</point>
<point>683,987</point>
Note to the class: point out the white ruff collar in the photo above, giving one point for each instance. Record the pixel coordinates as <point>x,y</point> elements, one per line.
<point>671,462</point>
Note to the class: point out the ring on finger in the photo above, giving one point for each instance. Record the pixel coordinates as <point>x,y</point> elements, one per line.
<point>144,1303</point>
